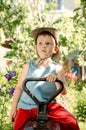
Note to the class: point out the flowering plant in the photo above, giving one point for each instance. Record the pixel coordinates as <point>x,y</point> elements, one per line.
<point>11,77</point>
<point>70,75</point>
<point>7,87</point>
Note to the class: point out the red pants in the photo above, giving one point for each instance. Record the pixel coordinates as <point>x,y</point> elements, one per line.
<point>55,112</point>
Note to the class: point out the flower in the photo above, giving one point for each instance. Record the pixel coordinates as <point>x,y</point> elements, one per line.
<point>8,63</point>
<point>12,91</point>
<point>70,75</point>
<point>13,73</point>
<point>8,76</point>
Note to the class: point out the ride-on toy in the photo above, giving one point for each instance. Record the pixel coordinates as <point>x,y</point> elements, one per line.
<point>42,122</point>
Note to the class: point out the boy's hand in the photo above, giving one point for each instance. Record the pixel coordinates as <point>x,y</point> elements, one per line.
<point>13,114</point>
<point>51,77</point>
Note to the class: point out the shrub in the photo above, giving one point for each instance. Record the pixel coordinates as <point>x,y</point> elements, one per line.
<point>7,86</point>
<point>80,109</point>
<point>80,85</point>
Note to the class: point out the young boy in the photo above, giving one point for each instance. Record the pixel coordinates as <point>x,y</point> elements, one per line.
<point>47,48</point>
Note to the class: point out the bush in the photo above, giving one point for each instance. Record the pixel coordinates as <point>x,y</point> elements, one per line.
<point>80,85</point>
<point>75,100</point>
<point>7,86</point>
<point>80,109</point>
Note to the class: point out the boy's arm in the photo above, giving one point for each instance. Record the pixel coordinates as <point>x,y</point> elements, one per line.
<point>18,91</point>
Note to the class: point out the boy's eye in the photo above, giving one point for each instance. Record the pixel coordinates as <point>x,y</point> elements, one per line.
<point>47,43</point>
<point>39,43</point>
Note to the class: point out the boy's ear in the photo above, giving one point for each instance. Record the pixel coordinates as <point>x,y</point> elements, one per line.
<point>56,49</point>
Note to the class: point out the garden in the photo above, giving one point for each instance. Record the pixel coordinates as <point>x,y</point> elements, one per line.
<point>16,22</point>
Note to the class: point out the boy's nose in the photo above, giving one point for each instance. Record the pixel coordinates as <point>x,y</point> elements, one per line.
<point>44,45</point>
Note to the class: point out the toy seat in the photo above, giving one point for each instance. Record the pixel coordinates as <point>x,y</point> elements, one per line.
<point>30,125</point>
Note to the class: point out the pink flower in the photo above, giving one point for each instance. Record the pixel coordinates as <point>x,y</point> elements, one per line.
<point>8,63</point>
<point>70,75</point>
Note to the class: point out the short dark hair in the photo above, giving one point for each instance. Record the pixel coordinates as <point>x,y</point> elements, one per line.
<point>45,33</point>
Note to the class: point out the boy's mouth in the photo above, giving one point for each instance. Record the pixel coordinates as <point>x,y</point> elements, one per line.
<point>43,50</point>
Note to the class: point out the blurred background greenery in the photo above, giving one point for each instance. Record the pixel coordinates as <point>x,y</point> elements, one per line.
<point>17,19</point>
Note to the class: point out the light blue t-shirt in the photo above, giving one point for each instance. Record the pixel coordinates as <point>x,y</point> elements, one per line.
<point>41,89</point>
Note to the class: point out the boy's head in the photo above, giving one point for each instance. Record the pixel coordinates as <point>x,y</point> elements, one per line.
<point>44,31</point>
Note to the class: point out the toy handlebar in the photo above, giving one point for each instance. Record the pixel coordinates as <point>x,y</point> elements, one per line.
<point>42,79</point>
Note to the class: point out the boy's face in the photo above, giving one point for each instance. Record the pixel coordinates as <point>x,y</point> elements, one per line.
<point>46,46</point>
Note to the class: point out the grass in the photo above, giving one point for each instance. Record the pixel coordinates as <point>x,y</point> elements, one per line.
<point>82,125</point>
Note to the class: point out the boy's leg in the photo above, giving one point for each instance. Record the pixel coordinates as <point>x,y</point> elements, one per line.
<point>60,114</point>
<point>22,117</point>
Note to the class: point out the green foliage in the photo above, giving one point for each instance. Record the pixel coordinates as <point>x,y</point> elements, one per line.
<point>16,23</point>
<point>18,20</point>
<point>80,31</point>
<point>12,16</point>
<point>80,85</point>
<point>5,101</point>
<point>21,50</point>
<point>80,109</point>
<point>7,127</point>
<point>75,100</point>
<point>7,84</point>
<point>78,99</point>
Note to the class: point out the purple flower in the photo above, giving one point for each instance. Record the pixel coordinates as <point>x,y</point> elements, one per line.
<point>8,76</point>
<point>12,91</point>
<point>13,73</point>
